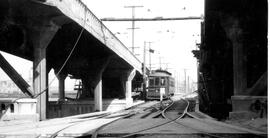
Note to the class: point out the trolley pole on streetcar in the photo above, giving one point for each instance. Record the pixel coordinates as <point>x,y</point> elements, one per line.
<point>144,71</point>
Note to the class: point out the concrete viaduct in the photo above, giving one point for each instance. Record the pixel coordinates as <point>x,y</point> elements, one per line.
<point>46,31</point>
<point>233,55</point>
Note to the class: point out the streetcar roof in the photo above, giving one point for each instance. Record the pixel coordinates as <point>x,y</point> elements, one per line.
<point>160,73</point>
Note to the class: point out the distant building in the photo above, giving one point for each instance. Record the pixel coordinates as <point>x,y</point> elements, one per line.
<point>8,86</point>
<point>8,89</point>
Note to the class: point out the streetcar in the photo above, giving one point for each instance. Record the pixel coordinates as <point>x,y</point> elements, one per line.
<point>160,82</point>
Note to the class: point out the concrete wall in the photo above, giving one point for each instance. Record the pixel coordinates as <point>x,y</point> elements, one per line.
<point>81,107</point>
<point>22,109</point>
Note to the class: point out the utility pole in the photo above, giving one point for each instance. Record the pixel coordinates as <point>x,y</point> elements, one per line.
<point>185,82</point>
<point>150,59</point>
<point>176,81</point>
<point>144,57</point>
<point>166,66</point>
<point>150,51</point>
<point>160,62</point>
<point>133,25</point>
<point>144,71</point>
<point>188,85</point>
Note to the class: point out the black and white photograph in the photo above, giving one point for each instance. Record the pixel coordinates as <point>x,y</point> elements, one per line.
<point>134,68</point>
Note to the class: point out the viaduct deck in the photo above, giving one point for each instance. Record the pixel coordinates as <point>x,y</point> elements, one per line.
<point>65,36</point>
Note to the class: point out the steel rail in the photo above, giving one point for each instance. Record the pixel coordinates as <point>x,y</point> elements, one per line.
<point>203,132</point>
<point>92,118</point>
<point>261,135</point>
<point>77,122</point>
<point>130,113</point>
<point>186,113</point>
<point>95,133</point>
<point>152,127</point>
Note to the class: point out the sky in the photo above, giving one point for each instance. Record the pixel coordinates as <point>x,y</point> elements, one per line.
<point>171,40</point>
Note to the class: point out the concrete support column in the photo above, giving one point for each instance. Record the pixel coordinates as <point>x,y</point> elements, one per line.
<point>239,59</point>
<point>239,70</point>
<point>61,80</point>
<point>98,81</point>
<point>128,91</point>
<point>243,105</point>
<point>129,75</point>
<point>41,37</point>
<point>98,94</point>
<point>40,81</point>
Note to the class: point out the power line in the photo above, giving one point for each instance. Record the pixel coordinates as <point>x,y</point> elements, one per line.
<point>133,19</point>
<point>154,19</point>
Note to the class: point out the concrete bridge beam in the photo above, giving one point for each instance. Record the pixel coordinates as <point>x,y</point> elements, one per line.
<point>41,36</point>
<point>93,25</point>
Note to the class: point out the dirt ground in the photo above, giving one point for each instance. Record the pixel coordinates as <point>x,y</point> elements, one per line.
<point>259,124</point>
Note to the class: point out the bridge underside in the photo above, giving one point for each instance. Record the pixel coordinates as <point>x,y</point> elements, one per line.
<point>233,59</point>
<point>43,34</point>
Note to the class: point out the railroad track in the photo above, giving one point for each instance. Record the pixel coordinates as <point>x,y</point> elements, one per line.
<point>114,116</point>
<point>182,107</point>
<point>158,107</point>
<point>174,111</point>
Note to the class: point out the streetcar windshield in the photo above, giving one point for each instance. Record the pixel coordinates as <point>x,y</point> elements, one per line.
<point>157,81</point>
<point>162,81</point>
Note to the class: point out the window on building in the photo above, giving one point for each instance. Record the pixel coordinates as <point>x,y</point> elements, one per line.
<point>157,81</point>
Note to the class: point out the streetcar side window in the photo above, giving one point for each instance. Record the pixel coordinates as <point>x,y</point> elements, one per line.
<point>151,82</point>
<point>157,81</point>
<point>162,81</point>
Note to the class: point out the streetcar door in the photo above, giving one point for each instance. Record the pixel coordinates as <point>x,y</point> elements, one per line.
<point>163,84</point>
